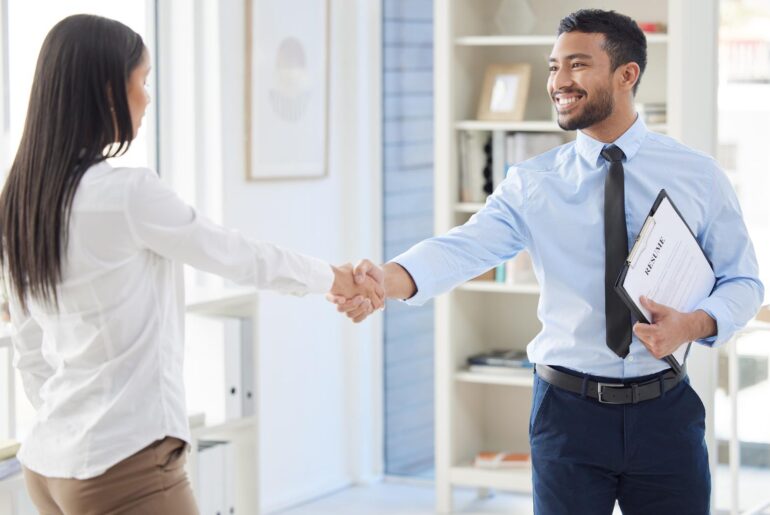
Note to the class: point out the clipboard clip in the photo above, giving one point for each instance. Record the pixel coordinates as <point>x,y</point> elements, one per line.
<point>641,241</point>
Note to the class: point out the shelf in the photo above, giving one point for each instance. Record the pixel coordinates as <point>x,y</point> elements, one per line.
<point>528,126</point>
<point>224,427</point>
<point>505,40</point>
<point>523,379</point>
<point>531,40</point>
<point>468,207</point>
<point>525,126</point>
<point>12,483</point>
<point>220,301</point>
<point>495,287</point>
<point>513,480</point>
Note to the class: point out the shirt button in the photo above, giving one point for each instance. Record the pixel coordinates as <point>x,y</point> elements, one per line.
<point>630,359</point>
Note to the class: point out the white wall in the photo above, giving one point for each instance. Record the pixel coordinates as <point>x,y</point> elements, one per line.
<point>319,376</point>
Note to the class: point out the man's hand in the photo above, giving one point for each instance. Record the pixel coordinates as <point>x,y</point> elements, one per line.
<point>671,328</point>
<point>365,292</point>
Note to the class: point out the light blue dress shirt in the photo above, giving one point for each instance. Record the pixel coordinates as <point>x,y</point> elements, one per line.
<point>553,206</point>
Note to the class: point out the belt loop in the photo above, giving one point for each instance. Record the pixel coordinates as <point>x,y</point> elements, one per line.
<point>584,387</point>
<point>662,385</point>
<point>634,393</point>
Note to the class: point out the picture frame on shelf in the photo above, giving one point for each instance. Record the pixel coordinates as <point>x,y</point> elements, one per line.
<point>504,92</point>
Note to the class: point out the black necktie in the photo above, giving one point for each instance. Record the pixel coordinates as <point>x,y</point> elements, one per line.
<point>615,252</point>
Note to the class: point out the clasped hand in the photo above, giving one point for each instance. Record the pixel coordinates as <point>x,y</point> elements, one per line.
<point>360,291</point>
<point>357,293</point>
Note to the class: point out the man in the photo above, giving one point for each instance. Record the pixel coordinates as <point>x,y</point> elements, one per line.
<point>575,209</point>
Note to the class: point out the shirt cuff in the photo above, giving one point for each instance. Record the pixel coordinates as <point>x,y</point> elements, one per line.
<point>420,273</point>
<point>320,276</point>
<point>716,309</point>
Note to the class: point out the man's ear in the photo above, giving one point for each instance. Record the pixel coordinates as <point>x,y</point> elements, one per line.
<point>628,75</point>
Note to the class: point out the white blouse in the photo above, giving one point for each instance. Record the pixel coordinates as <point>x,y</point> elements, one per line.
<point>104,371</point>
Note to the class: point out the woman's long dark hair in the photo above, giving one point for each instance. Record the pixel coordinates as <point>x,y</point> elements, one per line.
<point>78,115</point>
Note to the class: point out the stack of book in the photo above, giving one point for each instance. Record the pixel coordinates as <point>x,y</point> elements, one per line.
<point>485,158</point>
<point>472,162</point>
<point>501,460</point>
<point>9,465</point>
<point>499,362</point>
<point>520,146</point>
<point>517,271</point>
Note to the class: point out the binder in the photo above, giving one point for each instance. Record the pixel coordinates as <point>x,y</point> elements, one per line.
<point>667,265</point>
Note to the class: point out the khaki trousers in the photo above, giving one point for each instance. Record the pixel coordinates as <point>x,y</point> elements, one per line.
<point>151,482</point>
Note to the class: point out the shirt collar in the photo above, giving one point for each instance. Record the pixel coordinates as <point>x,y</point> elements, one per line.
<point>629,142</point>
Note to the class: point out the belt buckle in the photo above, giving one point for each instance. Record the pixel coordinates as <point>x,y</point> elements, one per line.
<point>601,388</point>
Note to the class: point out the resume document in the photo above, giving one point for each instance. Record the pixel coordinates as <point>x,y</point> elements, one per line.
<point>667,265</point>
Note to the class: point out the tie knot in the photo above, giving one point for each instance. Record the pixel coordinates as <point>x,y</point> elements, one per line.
<point>612,153</point>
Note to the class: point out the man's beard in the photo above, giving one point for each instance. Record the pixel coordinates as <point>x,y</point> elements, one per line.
<point>593,112</point>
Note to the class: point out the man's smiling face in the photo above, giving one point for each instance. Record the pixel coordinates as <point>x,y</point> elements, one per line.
<point>580,81</point>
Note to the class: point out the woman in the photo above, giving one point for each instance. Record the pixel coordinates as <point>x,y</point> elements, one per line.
<point>93,256</point>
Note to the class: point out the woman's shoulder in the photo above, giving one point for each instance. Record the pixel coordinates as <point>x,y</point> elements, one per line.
<point>105,186</point>
<point>104,171</point>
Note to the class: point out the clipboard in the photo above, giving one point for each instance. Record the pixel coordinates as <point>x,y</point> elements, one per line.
<point>668,265</point>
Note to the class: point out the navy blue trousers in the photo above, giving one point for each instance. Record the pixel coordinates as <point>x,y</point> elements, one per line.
<point>651,457</point>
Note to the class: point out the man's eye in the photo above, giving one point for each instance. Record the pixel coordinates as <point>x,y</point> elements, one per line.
<point>552,68</point>
<point>577,65</point>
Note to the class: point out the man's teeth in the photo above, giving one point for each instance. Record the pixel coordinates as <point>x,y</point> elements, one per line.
<point>567,101</point>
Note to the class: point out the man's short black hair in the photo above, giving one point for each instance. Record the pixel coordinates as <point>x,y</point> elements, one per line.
<point>624,41</point>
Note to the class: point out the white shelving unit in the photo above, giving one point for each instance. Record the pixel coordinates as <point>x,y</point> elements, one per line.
<point>241,433</point>
<point>477,411</point>
<point>532,40</point>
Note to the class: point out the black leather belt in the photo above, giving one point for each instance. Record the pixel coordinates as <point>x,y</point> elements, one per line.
<point>615,392</point>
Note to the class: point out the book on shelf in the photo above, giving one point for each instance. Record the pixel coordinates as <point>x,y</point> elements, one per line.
<point>472,160</point>
<point>488,276</point>
<point>8,448</point>
<point>500,370</point>
<point>485,157</point>
<point>499,164</point>
<point>501,460</point>
<point>500,273</point>
<point>519,270</point>
<point>501,358</point>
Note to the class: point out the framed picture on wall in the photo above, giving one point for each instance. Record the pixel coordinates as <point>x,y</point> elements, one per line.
<point>287,88</point>
<point>504,92</point>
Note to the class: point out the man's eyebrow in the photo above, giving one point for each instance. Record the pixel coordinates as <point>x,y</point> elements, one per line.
<point>571,57</point>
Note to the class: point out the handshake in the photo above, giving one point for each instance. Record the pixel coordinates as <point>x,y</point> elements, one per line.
<point>358,291</point>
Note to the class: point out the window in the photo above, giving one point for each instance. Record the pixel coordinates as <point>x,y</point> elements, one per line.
<point>408,219</point>
<point>744,107</point>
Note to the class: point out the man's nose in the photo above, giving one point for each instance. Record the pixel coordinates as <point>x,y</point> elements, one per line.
<point>560,79</point>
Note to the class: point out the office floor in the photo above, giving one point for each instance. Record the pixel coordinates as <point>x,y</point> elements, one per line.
<point>408,499</point>
<point>393,498</point>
